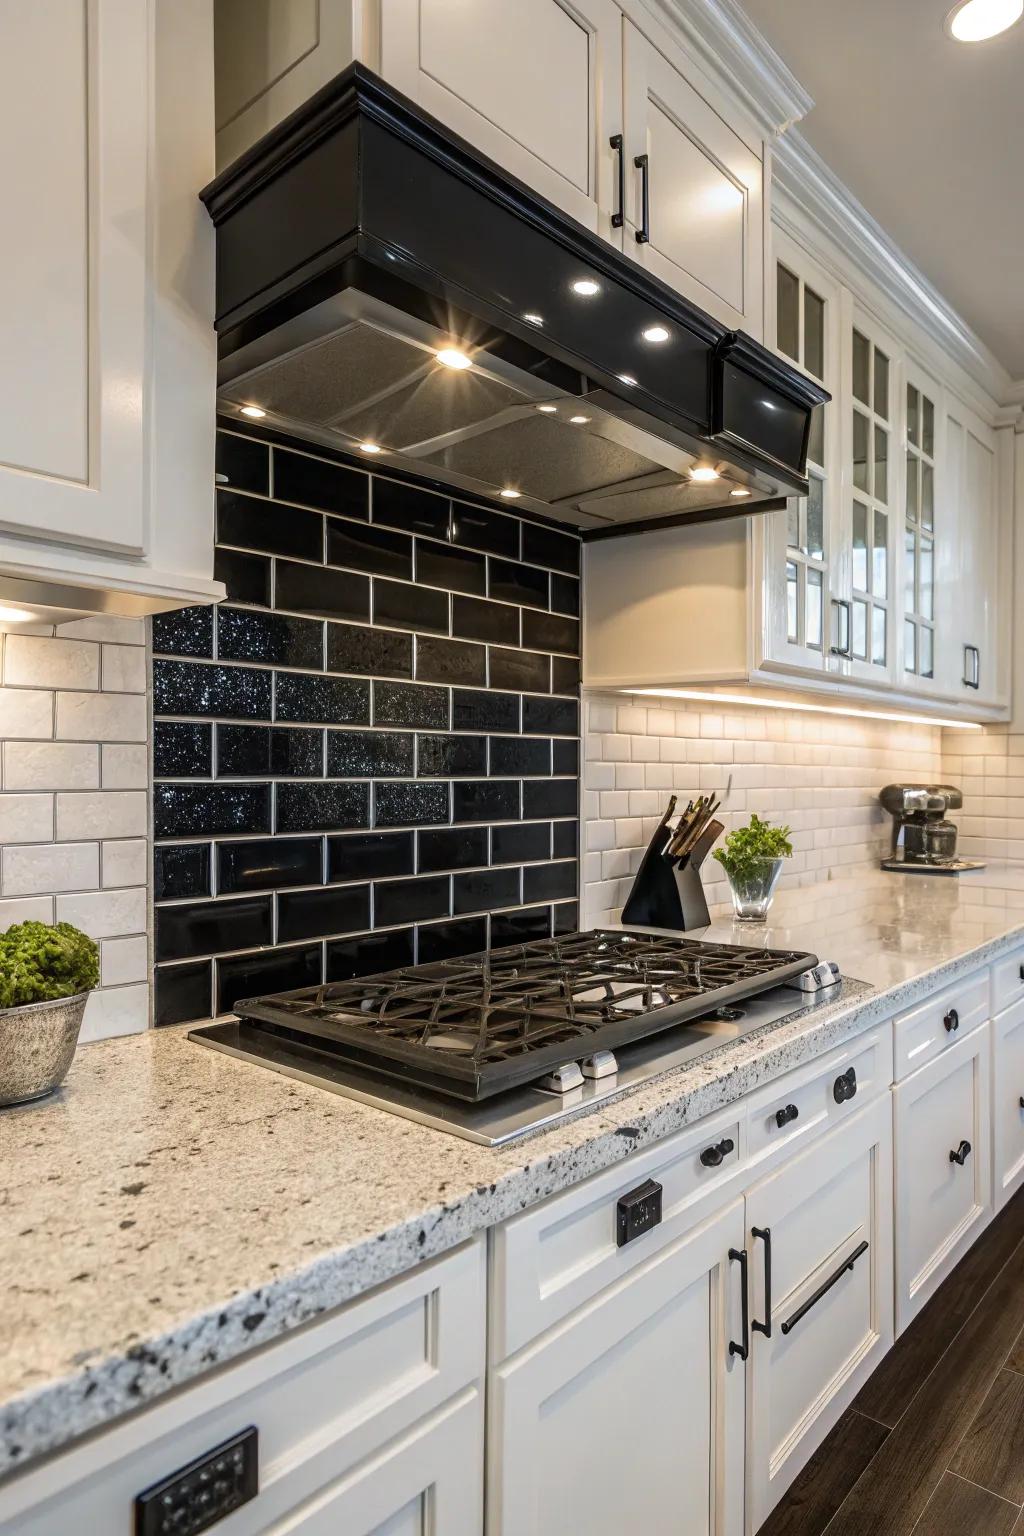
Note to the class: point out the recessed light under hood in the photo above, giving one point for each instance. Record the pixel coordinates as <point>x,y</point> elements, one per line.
<point>379,282</point>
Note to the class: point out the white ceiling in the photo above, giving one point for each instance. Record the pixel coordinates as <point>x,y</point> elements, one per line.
<point>928,134</point>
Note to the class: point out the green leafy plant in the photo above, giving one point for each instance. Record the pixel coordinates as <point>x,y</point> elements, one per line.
<point>40,962</point>
<point>746,845</point>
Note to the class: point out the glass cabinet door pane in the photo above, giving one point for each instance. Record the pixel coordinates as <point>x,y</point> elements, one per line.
<point>793,523</point>
<point>913,428</point>
<point>881,464</point>
<point>860,629</point>
<point>880,561</point>
<point>861,368</point>
<point>928,427</point>
<point>927,600</point>
<point>816,519</point>
<point>814,334</point>
<point>816,436</point>
<point>913,498</point>
<point>813,616</point>
<point>791,602</point>
<point>878,618</point>
<point>860,546</point>
<point>910,572</point>
<point>860,452</point>
<point>909,646</point>
<point>881,385</point>
<point>927,494</point>
<point>926,665</point>
<point>787,312</point>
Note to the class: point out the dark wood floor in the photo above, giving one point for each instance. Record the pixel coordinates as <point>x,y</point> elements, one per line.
<point>934,1442</point>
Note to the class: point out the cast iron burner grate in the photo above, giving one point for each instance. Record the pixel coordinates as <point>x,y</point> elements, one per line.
<point>479,1024</point>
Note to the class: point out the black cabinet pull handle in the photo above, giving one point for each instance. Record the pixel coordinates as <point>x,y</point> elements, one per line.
<point>1021,973</point>
<point>823,1290</point>
<point>845,1086</point>
<point>1022,1101</point>
<point>712,1156</point>
<point>961,1154</point>
<point>643,165</point>
<point>844,647</point>
<point>617,217</point>
<point>951,1021</point>
<point>972,674</point>
<point>739,1256</point>
<point>784,1116</point>
<point>765,1235</point>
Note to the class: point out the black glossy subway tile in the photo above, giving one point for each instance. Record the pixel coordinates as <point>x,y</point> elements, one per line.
<point>515,583</point>
<point>184,632</point>
<point>550,797</point>
<point>295,753</point>
<point>565,674</point>
<point>369,855</point>
<point>316,483</point>
<point>409,901</point>
<point>566,917</point>
<point>242,464</point>
<point>198,810</point>
<point>369,754</point>
<point>370,953</point>
<point>551,717</point>
<point>406,506</point>
<point>450,661</point>
<point>212,927</point>
<point>520,927</point>
<point>450,756</point>
<point>548,882</point>
<point>551,631</point>
<point>522,844</point>
<point>403,606</point>
<point>182,993</point>
<point>322,914</point>
<point>278,970</point>
<point>409,805</point>
<point>246,577</point>
<point>480,528</point>
<point>257,751</point>
<point>321,700</point>
<point>440,941</point>
<point>182,749</point>
<point>327,807</point>
<point>409,704</point>
<point>321,590</point>
<point>545,546</point>
<point>485,711</point>
<point>457,570</point>
<point>368,652</point>
<point>527,670</point>
<point>243,635</point>
<point>374,551</point>
<point>523,756</point>
<point>484,889</point>
<point>181,870</point>
<point>565,595</point>
<point>565,840</point>
<point>565,757</point>
<point>452,848</point>
<point>268,527</point>
<point>269,863</point>
<point>199,688</point>
<point>477,618</point>
<point>485,800</point>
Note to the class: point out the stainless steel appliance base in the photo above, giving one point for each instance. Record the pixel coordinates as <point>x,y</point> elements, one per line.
<point>954,867</point>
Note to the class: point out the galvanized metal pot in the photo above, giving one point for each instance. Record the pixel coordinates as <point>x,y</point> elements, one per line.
<point>37,1044</point>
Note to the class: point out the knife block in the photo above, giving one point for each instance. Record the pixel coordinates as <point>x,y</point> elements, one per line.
<point>666,895</point>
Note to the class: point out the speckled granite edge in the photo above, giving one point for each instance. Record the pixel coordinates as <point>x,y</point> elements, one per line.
<point>51,1416</point>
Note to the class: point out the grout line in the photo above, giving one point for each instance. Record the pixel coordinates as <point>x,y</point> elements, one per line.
<point>970,1481</point>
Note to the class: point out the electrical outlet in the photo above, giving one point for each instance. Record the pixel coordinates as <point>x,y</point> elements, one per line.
<point>197,1496</point>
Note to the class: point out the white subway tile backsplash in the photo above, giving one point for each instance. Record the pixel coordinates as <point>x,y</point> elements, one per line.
<point>101,717</point>
<point>39,869</point>
<point>124,960</point>
<point>51,765</point>
<point>41,661</point>
<point>123,669</point>
<point>25,909</point>
<point>26,713</point>
<point>106,627</point>
<point>106,813</point>
<point>104,914</point>
<point>124,765</point>
<point>26,818</point>
<point>124,863</point>
<point>116,1011</point>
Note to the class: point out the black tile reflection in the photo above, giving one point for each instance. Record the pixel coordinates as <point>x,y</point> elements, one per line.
<point>279,970</point>
<point>183,992</point>
<point>181,749</point>
<point>212,927</point>
<point>423,708</point>
<point>404,606</point>
<point>485,711</point>
<point>321,914</point>
<point>565,674</point>
<point>514,845</point>
<point>269,863</point>
<point>322,700</point>
<point>246,577</point>
<point>453,848</point>
<point>520,755</point>
<point>545,546</point>
<point>197,688</point>
<point>368,855</point>
<point>405,506</point>
<point>551,631</point>
<point>519,927</point>
<point>181,870</point>
<point>546,882</point>
<point>550,797</point>
<point>370,953</point>
<point>565,839</point>
<point>268,527</point>
<point>520,669</point>
<point>321,807</point>
<point>485,800</point>
<point>480,528</point>
<point>322,591</point>
<point>515,583</point>
<point>448,756</point>
<point>242,464</point>
<point>295,753</point>
<point>565,595</point>
<point>317,483</point>
<point>567,917</point>
<point>484,889</point>
<point>368,652</point>
<point>440,941</point>
<point>369,754</point>
<point>565,757</point>
<point>477,618</point>
<point>450,661</point>
<point>457,570</point>
<point>269,637</point>
<point>407,901</point>
<point>409,805</point>
<point>375,551</point>
<point>250,751</point>
<point>197,810</point>
<point>552,717</point>
<point>185,632</point>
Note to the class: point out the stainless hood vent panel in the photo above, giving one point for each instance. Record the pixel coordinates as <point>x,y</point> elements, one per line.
<point>359,239</point>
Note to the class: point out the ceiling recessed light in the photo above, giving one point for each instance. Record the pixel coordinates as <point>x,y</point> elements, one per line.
<point>451,357</point>
<point>509,493</point>
<point>586,287</point>
<point>626,378</point>
<point>547,409</point>
<point>533,319</point>
<point>578,421</point>
<point>655,333</point>
<point>255,411</point>
<point>972,21</point>
<point>739,491</point>
<point>703,472</point>
<point>369,447</point>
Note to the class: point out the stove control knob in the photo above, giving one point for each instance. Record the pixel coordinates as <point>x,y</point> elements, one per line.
<point>601,1064</point>
<point>563,1079</point>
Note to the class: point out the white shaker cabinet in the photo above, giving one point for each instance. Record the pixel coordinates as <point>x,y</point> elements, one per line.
<point>972,596</point>
<point>1008,1101</point>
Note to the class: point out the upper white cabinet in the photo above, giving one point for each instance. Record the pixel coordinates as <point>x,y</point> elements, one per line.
<point>107,357</point>
<point>972,654</point>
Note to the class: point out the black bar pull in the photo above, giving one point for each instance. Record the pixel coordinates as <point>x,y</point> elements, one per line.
<point>841,647</point>
<point>972,673</point>
<point>617,217</point>
<point>739,1256</point>
<point>765,1234</point>
<point>643,165</point>
<point>1022,1101</point>
<point>784,1116</point>
<point>951,1021</point>
<point>823,1290</point>
<point>961,1154</point>
<point>712,1156</point>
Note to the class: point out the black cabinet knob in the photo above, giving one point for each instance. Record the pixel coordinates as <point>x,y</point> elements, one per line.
<point>1021,973</point>
<point>961,1154</point>
<point>784,1116</point>
<point>712,1156</point>
<point>845,1086</point>
<point>952,1021</point>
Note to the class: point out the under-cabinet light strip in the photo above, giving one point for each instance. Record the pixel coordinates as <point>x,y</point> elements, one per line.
<point>757,702</point>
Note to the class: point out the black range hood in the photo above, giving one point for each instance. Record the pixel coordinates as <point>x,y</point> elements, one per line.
<point>363,249</point>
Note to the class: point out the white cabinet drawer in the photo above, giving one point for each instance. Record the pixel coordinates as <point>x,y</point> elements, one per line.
<point>821,1094</point>
<point>322,1399</point>
<point>922,1033</point>
<point>1008,1102</point>
<point>1008,980</point>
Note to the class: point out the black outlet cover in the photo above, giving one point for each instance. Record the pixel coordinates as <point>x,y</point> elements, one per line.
<point>196,1496</point>
<point>638,1212</point>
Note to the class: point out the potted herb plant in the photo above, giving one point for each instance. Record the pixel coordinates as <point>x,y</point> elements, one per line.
<point>752,858</point>
<point>46,974</point>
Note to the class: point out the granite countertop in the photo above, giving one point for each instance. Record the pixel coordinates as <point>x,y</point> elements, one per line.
<point>172,1207</point>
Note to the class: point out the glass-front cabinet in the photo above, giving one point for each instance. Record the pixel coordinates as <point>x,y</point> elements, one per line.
<point>922,455</point>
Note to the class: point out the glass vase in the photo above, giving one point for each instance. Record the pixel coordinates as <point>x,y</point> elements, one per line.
<point>752,891</point>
